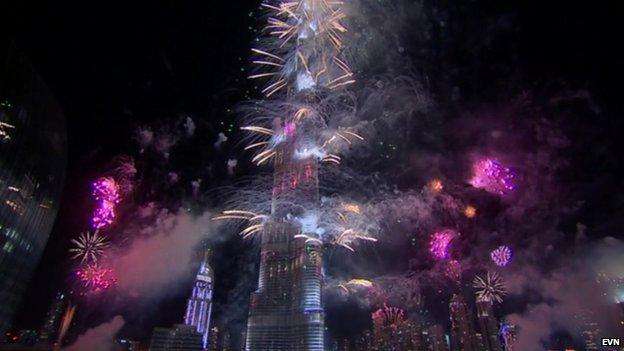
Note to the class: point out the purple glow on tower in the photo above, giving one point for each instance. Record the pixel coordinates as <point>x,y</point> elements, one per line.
<point>440,242</point>
<point>491,176</point>
<point>106,192</point>
<point>501,255</point>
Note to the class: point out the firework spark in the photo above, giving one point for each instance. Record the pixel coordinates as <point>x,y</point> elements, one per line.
<point>106,192</point>
<point>125,170</point>
<point>501,255</point>
<point>96,278</point>
<point>453,270</point>
<point>470,211</point>
<point>440,243</point>
<point>355,283</point>
<point>436,185</point>
<point>256,221</point>
<point>66,321</point>
<point>89,247</point>
<point>4,131</point>
<point>492,176</point>
<point>489,288</point>
<point>387,316</point>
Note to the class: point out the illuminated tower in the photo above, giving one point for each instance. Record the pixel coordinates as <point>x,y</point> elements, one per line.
<point>488,325</point>
<point>463,336</point>
<point>305,66</point>
<point>199,305</point>
<point>286,311</point>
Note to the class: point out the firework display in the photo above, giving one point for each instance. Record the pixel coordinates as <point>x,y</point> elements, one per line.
<point>440,243</point>
<point>106,192</point>
<point>387,317</point>
<point>89,247</point>
<point>432,220</point>
<point>95,278</point>
<point>436,185</point>
<point>492,176</point>
<point>453,270</point>
<point>470,211</point>
<point>355,283</point>
<point>501,256</point>
<point>489,287</point>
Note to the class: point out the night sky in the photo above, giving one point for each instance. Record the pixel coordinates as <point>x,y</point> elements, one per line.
<point>117,67</point>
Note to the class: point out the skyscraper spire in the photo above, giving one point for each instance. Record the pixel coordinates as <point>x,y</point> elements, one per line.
<point>303,64</point>
<point>199,305</point>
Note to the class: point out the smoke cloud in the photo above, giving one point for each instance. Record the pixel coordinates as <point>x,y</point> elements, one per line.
<point>580,292</point>
<point>162,252</point>
<point>100,338</point>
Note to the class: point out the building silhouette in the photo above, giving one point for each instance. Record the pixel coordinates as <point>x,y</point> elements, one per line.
<point>181,337</point>
<point>53,318</point>
<point>463,334</point>
<point>488,326</point>
<point>199,305</point>
<point>33,157</point>
<point>437,338</point>
<point>213,344</point>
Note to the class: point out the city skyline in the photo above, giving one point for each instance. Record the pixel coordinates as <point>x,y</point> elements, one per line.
<point>367,174</point>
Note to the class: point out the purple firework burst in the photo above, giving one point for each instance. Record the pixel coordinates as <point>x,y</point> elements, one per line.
<point>440,243</point>
<point>492,176</point>
<point>501,255</point>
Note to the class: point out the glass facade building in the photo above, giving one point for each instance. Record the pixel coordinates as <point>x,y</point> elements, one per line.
<point>33,157</point>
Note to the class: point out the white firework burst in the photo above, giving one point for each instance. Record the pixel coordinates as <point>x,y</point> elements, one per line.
<point>489,288</point>
<point>89,247</point>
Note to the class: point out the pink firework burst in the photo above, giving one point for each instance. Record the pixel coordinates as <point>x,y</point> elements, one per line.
<point>106,192</point>
<point>440,243</point>
<point>501,255</point>
<point>96,278</point>
<point>492,176</point>
<point>387,317</point>
<point>453,270</point>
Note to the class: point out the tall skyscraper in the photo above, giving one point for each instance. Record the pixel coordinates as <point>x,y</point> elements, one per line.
<point>33,156</point>
<point>488,326</point>
<point>463,335</point>
<point>53,319</point>
<point>199,305</point>
<point>286,312</point>
<point>306,65</point>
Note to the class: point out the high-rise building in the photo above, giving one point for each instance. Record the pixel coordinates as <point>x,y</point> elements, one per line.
<point>53,319</point>
<point>181,337</point>
<point>509,335</point>
<point>33,156</point>
<point>364,342</point>
<point>243,340</point>
<point>463,335</point>
<point>226,342</point>
<point>199,305</point>
<point>488,326</point>
<point>437,339</point>
<point>286,310</point>
<point>213,345</point>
